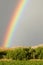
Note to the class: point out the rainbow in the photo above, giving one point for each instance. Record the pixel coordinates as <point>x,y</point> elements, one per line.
<point>14,23</point>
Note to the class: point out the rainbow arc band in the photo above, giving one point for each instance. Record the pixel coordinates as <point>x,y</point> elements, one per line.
<point>13,23</point>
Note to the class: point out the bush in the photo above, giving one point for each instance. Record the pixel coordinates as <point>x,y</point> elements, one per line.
<point>22,53</point>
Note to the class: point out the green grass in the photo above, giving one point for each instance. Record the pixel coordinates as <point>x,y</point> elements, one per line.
<point>17,62</point>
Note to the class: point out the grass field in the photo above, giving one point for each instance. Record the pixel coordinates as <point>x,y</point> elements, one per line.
<point>17,62</point>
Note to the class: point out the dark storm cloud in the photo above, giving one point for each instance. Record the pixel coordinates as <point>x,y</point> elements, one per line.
<point>30,27</point>
<point>6,8</point>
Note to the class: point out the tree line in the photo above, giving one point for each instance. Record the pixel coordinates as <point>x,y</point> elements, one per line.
<point>22,53</point>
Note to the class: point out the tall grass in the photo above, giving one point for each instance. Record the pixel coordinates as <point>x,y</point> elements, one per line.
<point>18,62</point>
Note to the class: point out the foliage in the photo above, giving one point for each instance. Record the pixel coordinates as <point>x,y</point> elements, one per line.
<point>18,62</point>
<point>22,53</point>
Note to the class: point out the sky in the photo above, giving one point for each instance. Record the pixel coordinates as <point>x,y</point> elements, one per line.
<point>30,27</point>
